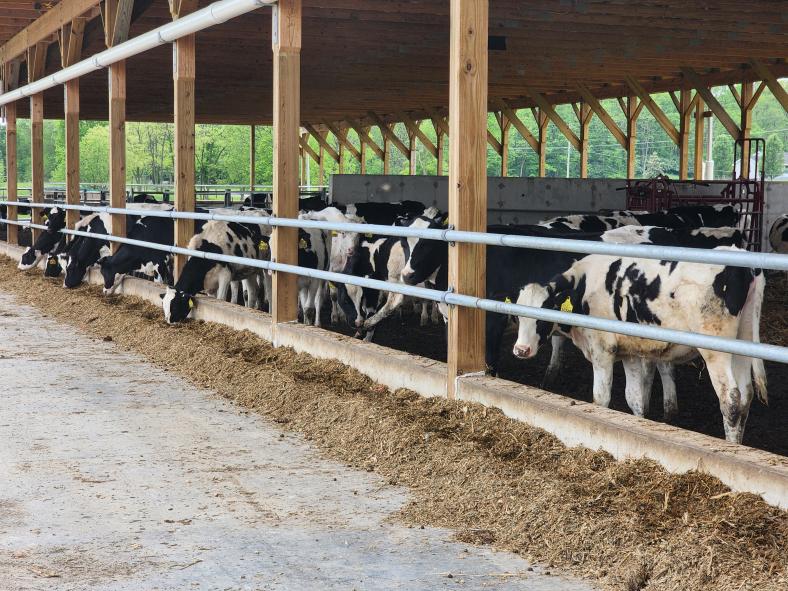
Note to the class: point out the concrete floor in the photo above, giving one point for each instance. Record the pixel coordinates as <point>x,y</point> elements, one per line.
<point>115,475</point>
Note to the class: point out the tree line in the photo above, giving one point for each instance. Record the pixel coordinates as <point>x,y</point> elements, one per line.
<point>222,151</point>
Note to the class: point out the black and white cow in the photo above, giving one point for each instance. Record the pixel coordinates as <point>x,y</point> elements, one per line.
<point>778,234</point>
<point>708,299</point>
<point>82,252</point>
<point>203,275</point>
<point>47,242</point>
<point>686,216</point>
<point>383,214</point>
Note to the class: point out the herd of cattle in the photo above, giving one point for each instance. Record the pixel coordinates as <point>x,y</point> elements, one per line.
<point>709,299</point>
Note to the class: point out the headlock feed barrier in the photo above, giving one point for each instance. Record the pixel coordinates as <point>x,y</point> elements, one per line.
<point>759,260</point>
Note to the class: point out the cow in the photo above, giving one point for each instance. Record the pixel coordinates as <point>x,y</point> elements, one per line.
<point>509,269</point>
<point>383,214</point>
<point>48,240</point>
<point>82,252</point>
<point>709,299</point>
<point>778,234</point>
<point>204,275</point>
<point>686,216</point>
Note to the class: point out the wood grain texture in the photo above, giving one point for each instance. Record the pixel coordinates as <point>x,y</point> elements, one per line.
<point>468,78</point>
<point>632,110</point>
<point>117,146</point>
<point>685,123</point>
<point>11,170</point>
<point>699,138</point>
<point>287,120</point>
<point>37,157</point>
<point>184,91</point>
<point>71,92</point>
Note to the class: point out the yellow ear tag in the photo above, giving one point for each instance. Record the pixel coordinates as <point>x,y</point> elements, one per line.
<point>302,244</point>
<point>263,245</point>
<point>446,223</point>
<point>334,232</point>
<point>508,300</point>
<point>368,235</point>
<point>331,285</point>
<point>567,305</point>
<point>191,303</point>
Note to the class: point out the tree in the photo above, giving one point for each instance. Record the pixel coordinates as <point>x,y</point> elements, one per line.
<point>93,160</point>
<point>775,156</point>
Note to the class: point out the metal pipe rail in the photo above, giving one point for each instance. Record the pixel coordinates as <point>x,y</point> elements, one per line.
<point>214,14</point>
<point>757,260</point>
<point>698,341</point>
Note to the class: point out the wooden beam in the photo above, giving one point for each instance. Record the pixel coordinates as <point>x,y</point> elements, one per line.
<point>546,108</point>
<point>322,141</point>
<point>603,115</point>
<point>439,122</point>
<point>184,73</point>
<point>440,144</point>
<point>321,170</point>
<point>303,141</point>
<point>771,81</point>
<point>286,34</point>
<point>632,116</point>
<point>467,181</point>
<point>700,107</point>
<point>117,146</point>
<point>71,37</point>
<point>746,126</point>
<point>654,108</point>
<point>735,93</point>
<point>43,28</point>
<point>37,157</point>
<point>341,135</point>
<point>364,138</point>
<point>493,141</point>
<point>36,61</point>
<point>719,111</point>
<point>541,121</point>
<point>415,128</point>
<point>505,127</point>
<point>685,120</point>
<point>71,40</point>
<point>413,152</point>
<point>116,15</point>
<point>757,94</point>
<point>585,114</point>
<point>513,118</point>
<point>388,133</point>
<point>252,154</point>
<point>10,82</point>
<point>676,100</point>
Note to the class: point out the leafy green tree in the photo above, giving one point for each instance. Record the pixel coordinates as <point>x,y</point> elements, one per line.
<point>93,156</point>
<point>775,156</point>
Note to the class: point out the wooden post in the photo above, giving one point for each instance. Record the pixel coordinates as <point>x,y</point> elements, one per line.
<point>412,153</point>
<point>746,126</point>
<point>252,150</point>
<point>341,150</point>
<point>37,157</point>
<point>184,72</point>
<point>362,158</point>
<point>287,100</point>
<point>632,134</point>
<point>467,181</point>
<point>505,126</point>
<point>117,146</point>
<point>541,121</point>
<point>586,114</point>
<point>699,137</point>
<point>386,155</point>
<point>71,37</point>
<point>10,80</point>
<point>685,120</point>
<point>440,143</point>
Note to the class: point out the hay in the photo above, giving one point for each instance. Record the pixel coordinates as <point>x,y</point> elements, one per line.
<point>496,481</point>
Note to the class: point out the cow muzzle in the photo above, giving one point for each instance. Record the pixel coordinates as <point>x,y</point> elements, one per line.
<point>521,351</point>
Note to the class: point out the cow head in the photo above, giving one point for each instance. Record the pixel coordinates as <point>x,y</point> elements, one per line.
<point>532,333</point>
<point>177,305</point>
<point>47,240</point>
<point>111,279</point>
<point>426,256</point>
<point>53,267</point>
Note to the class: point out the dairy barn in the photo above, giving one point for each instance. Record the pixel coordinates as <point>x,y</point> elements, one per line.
<point>361,377</point>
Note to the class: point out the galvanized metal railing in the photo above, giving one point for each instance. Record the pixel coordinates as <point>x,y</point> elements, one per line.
<point>695,340</point>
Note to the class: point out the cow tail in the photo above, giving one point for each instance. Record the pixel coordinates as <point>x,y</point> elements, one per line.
<point>749,329</point>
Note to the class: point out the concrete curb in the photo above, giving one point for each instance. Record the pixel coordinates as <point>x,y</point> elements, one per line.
<point>624,436</point>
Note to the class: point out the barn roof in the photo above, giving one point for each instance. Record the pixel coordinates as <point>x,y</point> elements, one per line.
<point>391,56</point>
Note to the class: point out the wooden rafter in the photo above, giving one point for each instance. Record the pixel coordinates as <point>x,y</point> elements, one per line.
<point>518,125</point>
<point>763,72</point>
<point>116,16</point>
<point>70,38</point>
<point>36,61</point>
<point>548,110</point>
<point>414,128</point>
<point>603,115</point>
<point>341,135</point>
<point>719,111</point>
<point>654,108</point>
<point>45,27</point>
<point>735,93</point>
<point>389,134</point>
<point>439,122</point>
<point>304,142</point>
<point>364,137</point>
<point>179,8</point>
<point>322,141</point>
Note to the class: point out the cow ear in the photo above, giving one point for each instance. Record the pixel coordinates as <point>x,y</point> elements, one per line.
<point>161,296</point>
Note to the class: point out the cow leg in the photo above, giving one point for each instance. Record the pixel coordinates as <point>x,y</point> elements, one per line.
<point>251,290</point>
<point>234,285</point>
<point>334,296</point>
<point>640,374</point>
<point>603,379</point>
<point>319,292</point>
<point>435,314</point>
<point>224,284</point>
<point>393,301</point>
<point>557,343</point>
<point>734,404</point>
<point>424,319</point>
<point>670,403</point>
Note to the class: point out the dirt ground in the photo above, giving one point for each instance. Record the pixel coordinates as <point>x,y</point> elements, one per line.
<point>698,405</point>
<point>496,481</point>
